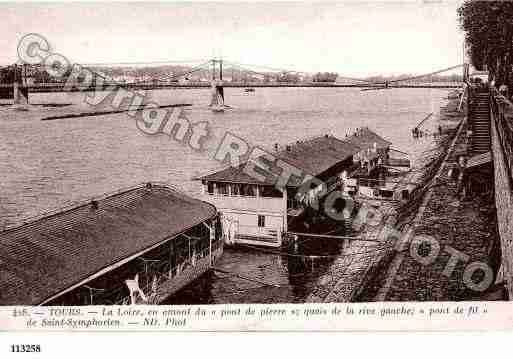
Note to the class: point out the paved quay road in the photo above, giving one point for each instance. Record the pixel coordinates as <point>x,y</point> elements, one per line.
<point>463,226</point>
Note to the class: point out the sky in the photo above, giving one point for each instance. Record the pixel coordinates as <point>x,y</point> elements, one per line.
<point>353,38</point>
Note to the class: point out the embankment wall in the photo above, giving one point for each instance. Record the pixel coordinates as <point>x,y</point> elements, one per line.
<point>503,195</point>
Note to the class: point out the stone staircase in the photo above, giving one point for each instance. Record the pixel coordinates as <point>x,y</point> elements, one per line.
<point>479,122</point>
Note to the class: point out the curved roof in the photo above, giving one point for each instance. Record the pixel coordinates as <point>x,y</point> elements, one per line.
<point>41,259</point>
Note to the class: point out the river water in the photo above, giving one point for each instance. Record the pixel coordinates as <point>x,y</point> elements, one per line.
<point>48,164</point>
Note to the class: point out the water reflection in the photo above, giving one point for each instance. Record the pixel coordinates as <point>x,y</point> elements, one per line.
<point>263,275</point>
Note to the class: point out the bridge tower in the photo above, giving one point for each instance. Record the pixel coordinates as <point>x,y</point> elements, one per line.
<point>217,102</point>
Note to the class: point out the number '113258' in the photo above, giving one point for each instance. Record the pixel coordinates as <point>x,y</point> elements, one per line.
<point>25,348</point>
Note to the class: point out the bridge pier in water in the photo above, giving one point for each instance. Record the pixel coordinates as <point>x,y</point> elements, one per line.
<point>20,89</point>
<point>217,101</point>
<point>20,94</point>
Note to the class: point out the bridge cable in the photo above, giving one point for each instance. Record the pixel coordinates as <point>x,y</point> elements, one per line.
<point>143,63</point>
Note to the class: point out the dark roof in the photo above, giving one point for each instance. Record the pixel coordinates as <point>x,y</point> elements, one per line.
<point>317,155</point>
<point>237,175</point>
<point>313,156</point>
<point>43,258</point>
<point>366,139</point>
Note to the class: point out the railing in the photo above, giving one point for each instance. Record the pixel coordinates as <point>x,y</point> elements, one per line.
<point>83,202</point>
<point>272,236</point>
<point>258,231</point>
<point>166,272</point>
<point>232,195</point>
<point>502,119</point>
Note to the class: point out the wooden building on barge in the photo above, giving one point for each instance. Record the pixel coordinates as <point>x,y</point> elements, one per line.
<point>138,245</point>
<point>255,212</point>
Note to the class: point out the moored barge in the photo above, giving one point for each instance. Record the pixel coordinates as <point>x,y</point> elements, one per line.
<point>136,246</point>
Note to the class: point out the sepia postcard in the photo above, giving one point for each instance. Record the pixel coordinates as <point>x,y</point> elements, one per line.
<point>256,166</point>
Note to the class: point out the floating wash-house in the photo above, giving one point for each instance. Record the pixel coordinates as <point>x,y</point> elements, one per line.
<point>135,246</point>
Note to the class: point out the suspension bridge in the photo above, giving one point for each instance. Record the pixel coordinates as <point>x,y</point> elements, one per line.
<point>17,81</point>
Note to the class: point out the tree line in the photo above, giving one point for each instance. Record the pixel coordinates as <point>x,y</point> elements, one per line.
<point>488,28</point>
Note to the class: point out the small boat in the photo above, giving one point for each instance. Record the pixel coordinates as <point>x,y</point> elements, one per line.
<point>249,89</point>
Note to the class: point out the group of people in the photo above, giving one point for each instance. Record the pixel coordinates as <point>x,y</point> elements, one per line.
<point>418,132</point>
<point>503,90</point>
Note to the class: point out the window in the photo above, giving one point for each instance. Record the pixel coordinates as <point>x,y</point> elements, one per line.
<point>236,189</point>
<point>248,190</point>
<point>261,221</point>
<point>222,188</point>
<point>210,187</point>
